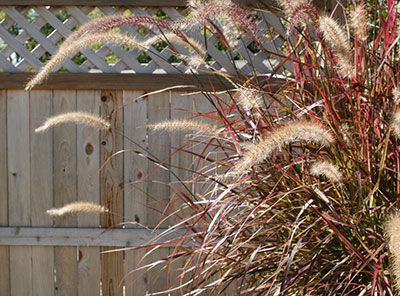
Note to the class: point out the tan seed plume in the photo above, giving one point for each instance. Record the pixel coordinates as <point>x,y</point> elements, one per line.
<point>77,207</point>
<point>358,21</point>
<point>396,95</point>
<point>396,123</point>
<point>327,169</point>
<point>284,135</point>
<point>183,125</point>
<point>393,234</point>
<point>75,47</point>
<point>289,7</point>
<point>75,117</point>
<point>337,39</point>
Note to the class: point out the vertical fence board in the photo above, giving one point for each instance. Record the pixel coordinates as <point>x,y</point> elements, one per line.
<point>181,162</point>
<point>159,145</point>
<point>19,187</point>
<point>181,165</point>
<point>88,164</point>
<point>158,109</point>
<point>135,169</point>
<point>111,180</point>
<point>64,178</point>
<point>41,147</point>
<point>4,250</point>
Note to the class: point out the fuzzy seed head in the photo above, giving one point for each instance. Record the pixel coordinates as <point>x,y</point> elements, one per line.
<point>77,207</point>
<point>358,21</point>
<point>184,126</point>
<point>75,47</point>
<point>396,123</point>
<point>277,139</point>
<point>336,37</point>
<point>396,95</point>
<point>249,99</point>
<point>75,117</point>
<point>393,235</point>
<point>327,169</point>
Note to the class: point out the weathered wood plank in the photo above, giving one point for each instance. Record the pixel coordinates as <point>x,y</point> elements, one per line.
<point>135,169</point>
<point>19,187</point>
<point>88,164</point>
<point>135,166</point>
<point>181,162</point>
<point>138,3</point>
<point>104,81</point>
<point>82,236</point>
<point>4,250</point>
<point>65,187</point>
<point>41,151</point>
<point>111,180</point>
<point>158,110</point>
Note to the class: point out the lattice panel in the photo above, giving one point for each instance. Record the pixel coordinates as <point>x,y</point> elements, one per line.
<point>30,35</point>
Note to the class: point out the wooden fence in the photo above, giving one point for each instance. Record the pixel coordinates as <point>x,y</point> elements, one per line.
<point>41,255</point>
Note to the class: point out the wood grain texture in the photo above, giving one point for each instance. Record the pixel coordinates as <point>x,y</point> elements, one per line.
<point>19,187</point>
<point>41,154</point>
<point>82,236</point>
<point>4,250</point>
<point>135,169</point>
<point>88,165</point>
<point>181,161</point>
<point>135,166</point>
<point>158,110</point>
<point>65,191</point>
<point>111,180</point>
<point>104,81</point>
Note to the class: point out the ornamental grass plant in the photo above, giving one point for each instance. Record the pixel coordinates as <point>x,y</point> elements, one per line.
<point>306,195</point>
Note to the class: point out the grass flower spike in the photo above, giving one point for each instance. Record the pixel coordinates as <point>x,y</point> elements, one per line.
<point>75,47</point>
<point>327,169</point>
<point>77,207</point>
<point>336,37</point>
<point>184,126</point>
<point>393,234</point>
<point>76,117</point>
<point>358,21</point>
<point>277,139</point>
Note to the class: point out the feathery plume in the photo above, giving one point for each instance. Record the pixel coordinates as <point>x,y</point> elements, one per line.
<point>74,48</point>
<point>284,135</point>
<point>393,234</point>
<point>184,125</point>
<point>358,21</point>
<point>249,99</point>
<point>77,117</point>
<point>299,11</point>
<point>396,95</point>
<point>344,130</point>
<point>77,207</point>
<point>327,169</point>
<point>396,123</point>
<point>207,10</point>
<point>337,39</point>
